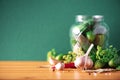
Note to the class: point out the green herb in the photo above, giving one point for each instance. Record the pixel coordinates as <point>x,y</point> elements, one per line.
<point>108,56</point>
<point>51,53</point>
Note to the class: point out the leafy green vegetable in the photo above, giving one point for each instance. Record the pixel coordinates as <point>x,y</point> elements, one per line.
<point>109,56</point>
<point>93,57</point>
<point>51,53</point>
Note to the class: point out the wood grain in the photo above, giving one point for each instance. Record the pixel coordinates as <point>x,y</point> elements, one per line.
<point>36,70</point>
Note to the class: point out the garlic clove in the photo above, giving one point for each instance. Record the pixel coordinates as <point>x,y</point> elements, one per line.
<point>89,63</point>
<point>79,62</point>
<point>53,61</point>
<point>59,66</point>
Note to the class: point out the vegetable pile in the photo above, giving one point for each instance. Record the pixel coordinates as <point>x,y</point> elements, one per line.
<point>102,58</point>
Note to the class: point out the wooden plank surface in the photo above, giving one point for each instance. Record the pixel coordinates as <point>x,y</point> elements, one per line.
<point>31,70</point>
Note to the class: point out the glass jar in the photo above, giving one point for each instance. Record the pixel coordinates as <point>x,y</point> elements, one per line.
<point>87,30</point>
<point>101,31</point>
<point>75,30</point>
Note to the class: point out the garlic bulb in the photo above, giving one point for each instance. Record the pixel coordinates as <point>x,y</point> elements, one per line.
<point>84,61</point>
<point>80,62</point>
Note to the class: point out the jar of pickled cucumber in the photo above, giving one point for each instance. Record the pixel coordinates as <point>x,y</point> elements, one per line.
<point>88,30</point>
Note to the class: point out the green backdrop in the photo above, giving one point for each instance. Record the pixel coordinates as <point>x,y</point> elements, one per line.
<point>30,28</point>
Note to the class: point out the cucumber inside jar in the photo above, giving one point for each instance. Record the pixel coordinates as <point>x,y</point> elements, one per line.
<point>99,40</point>
<point>90,36</point>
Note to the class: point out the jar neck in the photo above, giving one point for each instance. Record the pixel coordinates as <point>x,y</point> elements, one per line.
<point>99,21</point>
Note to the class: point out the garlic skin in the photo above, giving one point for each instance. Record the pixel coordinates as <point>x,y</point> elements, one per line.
<point>59,66</point>
<point>53,61</point>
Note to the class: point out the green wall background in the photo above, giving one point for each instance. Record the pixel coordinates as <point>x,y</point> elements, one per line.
<point>30,28</point>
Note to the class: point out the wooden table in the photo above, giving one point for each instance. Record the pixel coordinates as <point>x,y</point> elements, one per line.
<point>33,70</point>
